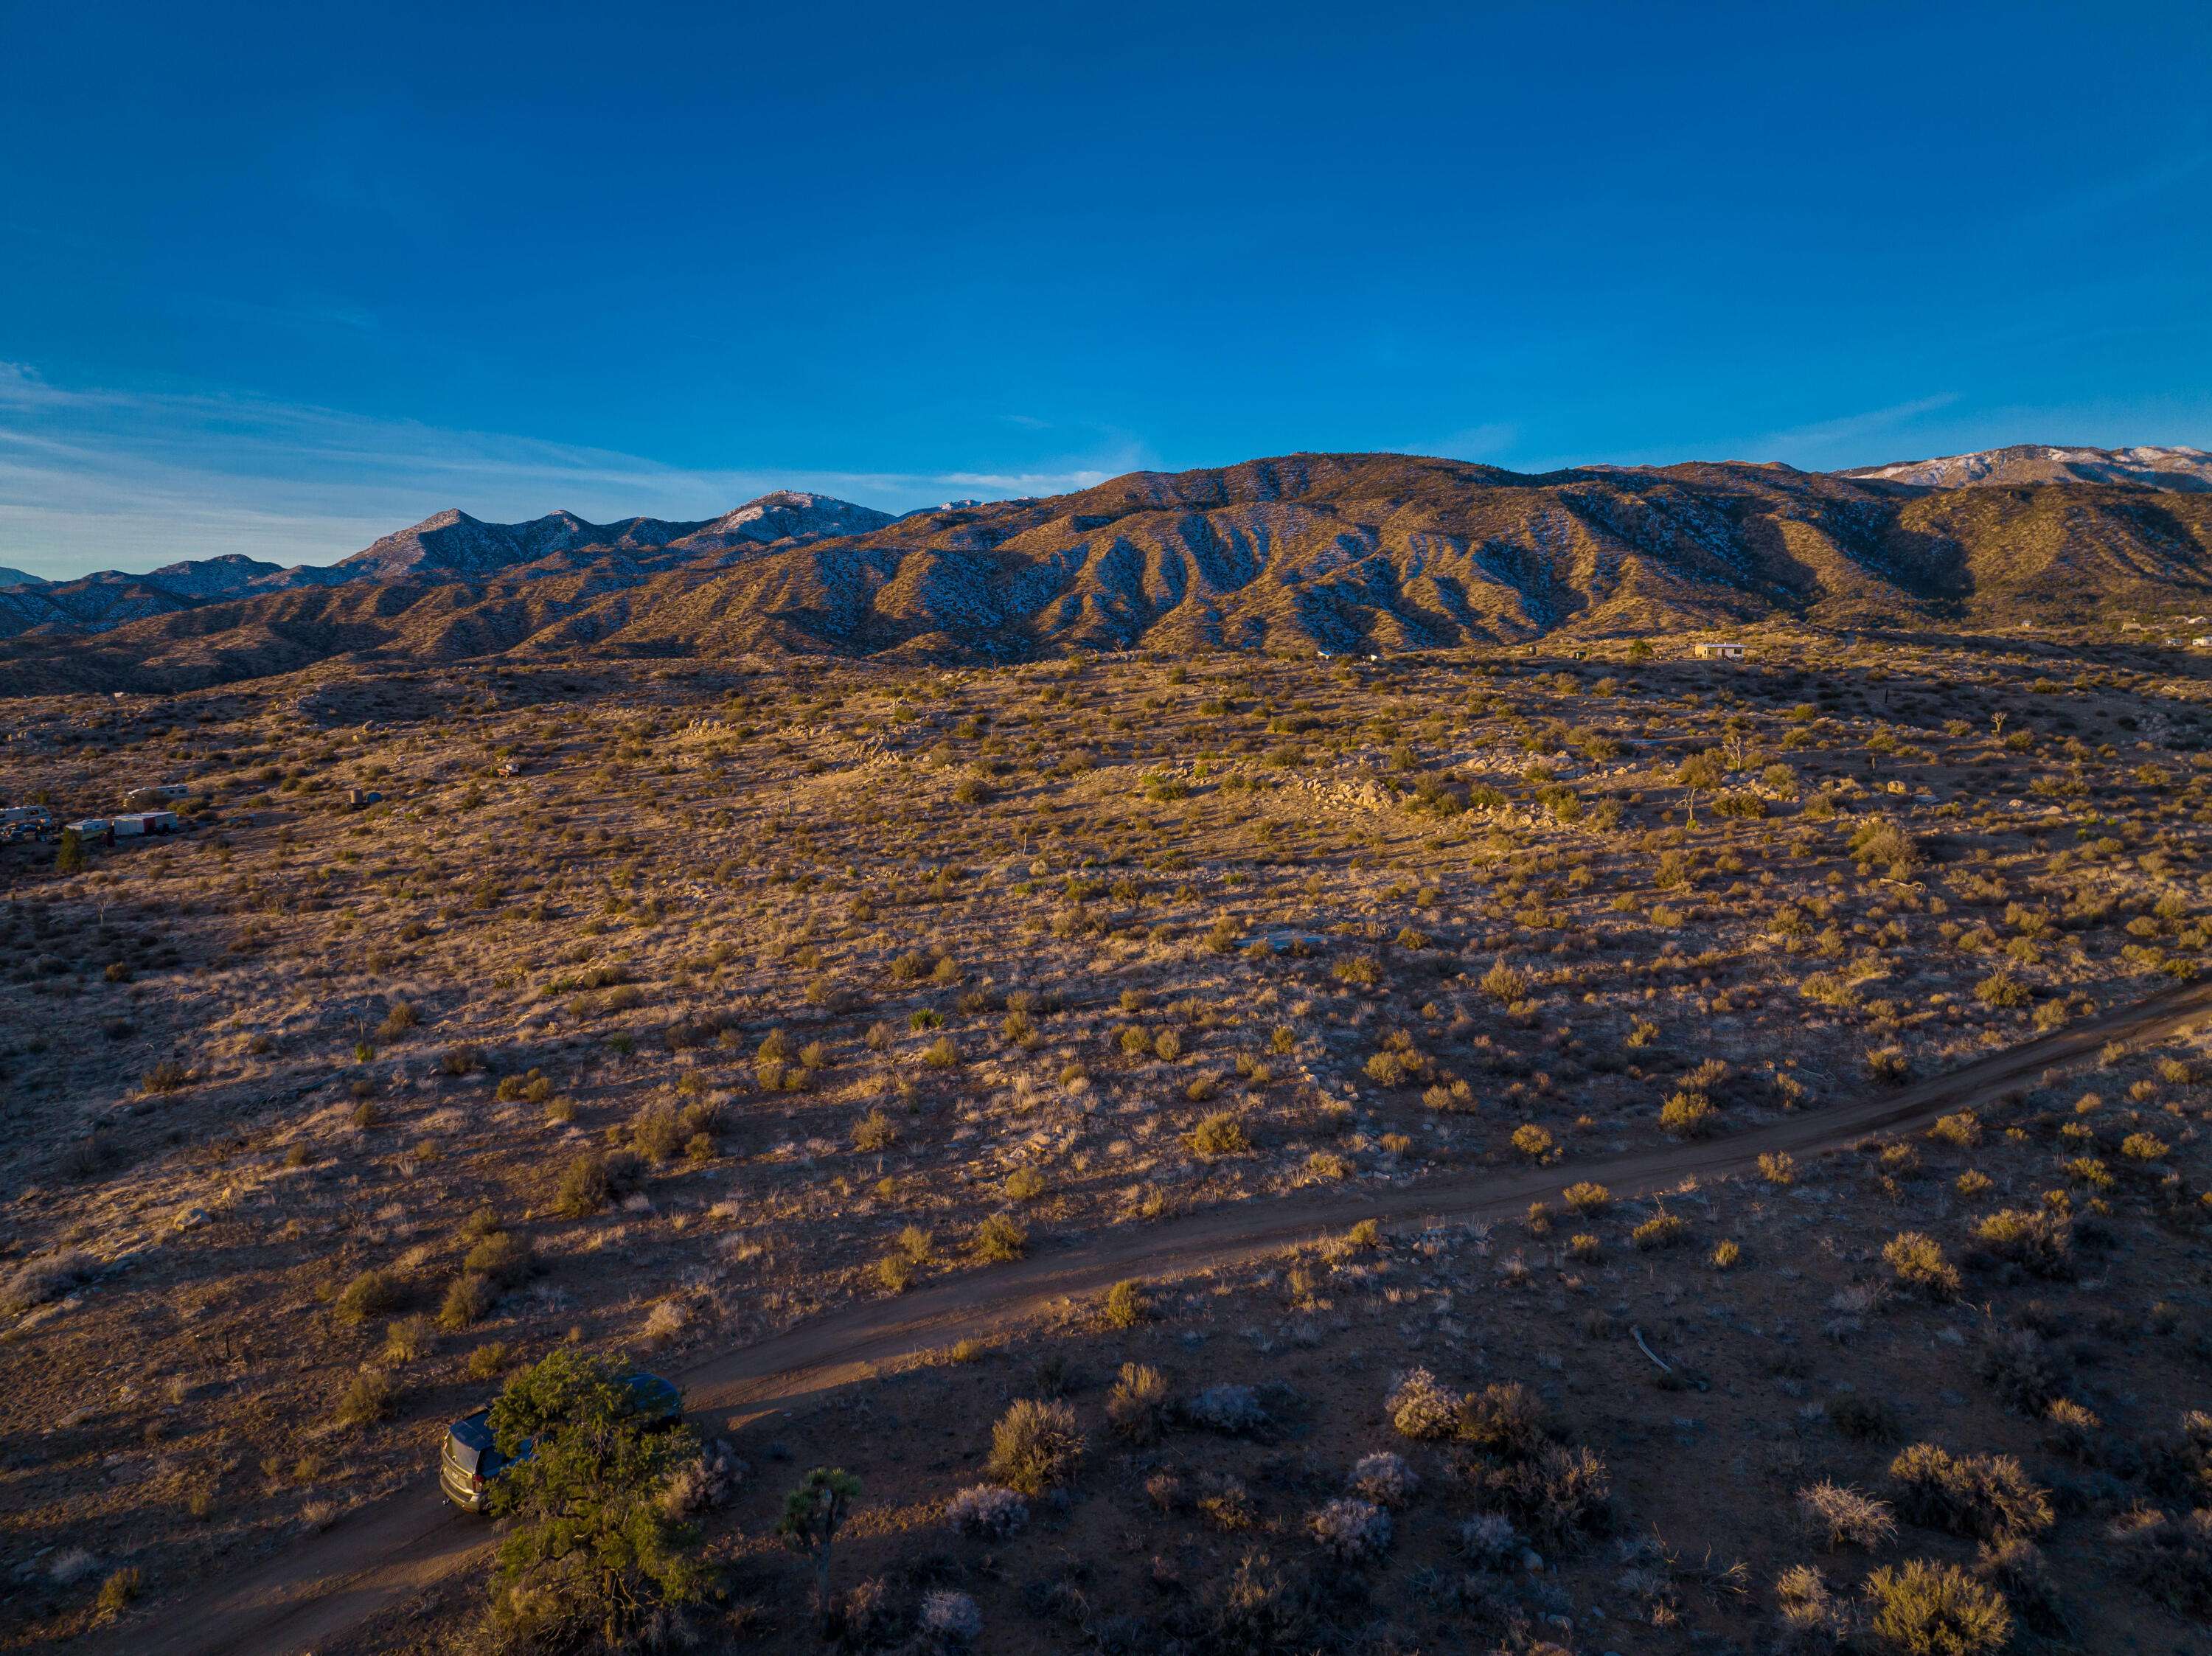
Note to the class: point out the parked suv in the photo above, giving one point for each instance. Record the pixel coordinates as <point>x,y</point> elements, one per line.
<point>470,1460</point>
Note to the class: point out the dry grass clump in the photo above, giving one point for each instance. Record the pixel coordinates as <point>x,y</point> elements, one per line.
<point>1846,1517</point>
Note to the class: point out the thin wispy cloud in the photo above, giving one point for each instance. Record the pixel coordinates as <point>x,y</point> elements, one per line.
<point>1819,443</point>
<point>100,479</point>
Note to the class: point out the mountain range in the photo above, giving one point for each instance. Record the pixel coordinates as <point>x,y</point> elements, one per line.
<point>1329,551</point>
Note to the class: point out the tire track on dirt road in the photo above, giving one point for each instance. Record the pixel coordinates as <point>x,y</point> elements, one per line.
<point>379,1556</point>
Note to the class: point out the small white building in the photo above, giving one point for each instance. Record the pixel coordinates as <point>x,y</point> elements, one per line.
<point>132,823</point>
<point>1717,650</point>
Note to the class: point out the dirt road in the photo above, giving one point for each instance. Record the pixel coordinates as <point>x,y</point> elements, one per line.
<point>328,1584</point>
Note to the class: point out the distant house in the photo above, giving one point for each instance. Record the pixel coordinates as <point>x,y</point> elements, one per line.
<point>1716,651</point>
<point>132,823</point>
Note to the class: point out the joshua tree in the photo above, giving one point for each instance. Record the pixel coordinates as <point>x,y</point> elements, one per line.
<point>813,1513</point>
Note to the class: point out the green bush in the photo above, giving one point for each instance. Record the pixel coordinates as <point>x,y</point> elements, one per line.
<point>593,1557</point>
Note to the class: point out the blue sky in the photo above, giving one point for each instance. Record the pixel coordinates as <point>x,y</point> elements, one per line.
<point>278,279</point>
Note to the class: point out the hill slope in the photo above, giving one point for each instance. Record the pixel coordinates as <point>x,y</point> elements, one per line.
<point>2186,471</point>
<point>1312,551</point>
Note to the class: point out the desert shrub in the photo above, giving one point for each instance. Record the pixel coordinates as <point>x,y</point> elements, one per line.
<point>1505,984</point>
<point>1124,1305</point>
<point>118,1592</point>
<point>705,1482</point>
<point>1689,1115</point>
<point>2037,1241</point>
<point>1362,971</point>
<point>2003,990</point>
<point>1887,844</point>
<point>1384,1479</point>
<point>988,1512</point>
<point>897,1273</point>
<point>874,1132</point>
<point>1961,1131</point>
<point>1777,1167</point>
<point>1025,1185</point>
<point>1504,1418</point>
<point>467,1300</point>
<point>1035,1445</point>
<point>502,1257</point>
<point>1813,1617</point>
<point>1660,1230</point>
<point>941,1053</point>
<point>1489,1542</point>
<point>2025,1370</point>
<point>1225,1503</point>
<point>2014,1566</point>
<point>368,1398</point>
<point>371,1294</point>
<point>1233,1410</point>
<point>1920,1608</point>
<point>2142,1147</point>
<point>949,1620</point>
<point>1918,1261</point>
<point>1845,1516</point>
<point>1888,1064</point>
<point>1557,1493</point>
<point>998,1238</point>
<point>2073,1430</point>
<point>1987,1496</point>
<point>166,1077</point>
<point>489,1361</point>
<point>1586,1198</point>
<point>1217,1135</point>
<point>2169,1557</point>
<point>407,1339</point>
<point>1863,1419</point>
<point>1532,1141</point>
<point>1421,1408</point>
<point>585,1188</point>
<point>1137,1407</point>
<point>1353,1530</point>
